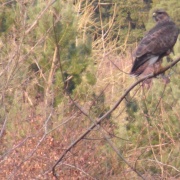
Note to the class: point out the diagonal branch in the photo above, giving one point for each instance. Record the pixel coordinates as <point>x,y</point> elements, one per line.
<point>39,17</point>
<point>110,111</point>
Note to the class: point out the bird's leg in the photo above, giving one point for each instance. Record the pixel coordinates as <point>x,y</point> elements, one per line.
<point>158,68</point>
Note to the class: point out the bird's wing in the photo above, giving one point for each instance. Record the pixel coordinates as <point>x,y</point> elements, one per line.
<point>158,40</point>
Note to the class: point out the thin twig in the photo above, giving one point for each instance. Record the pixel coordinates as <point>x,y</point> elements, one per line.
<point>164,164</point>
<point>39,17</point>
<point>3,126</point>
<point>160,99</point>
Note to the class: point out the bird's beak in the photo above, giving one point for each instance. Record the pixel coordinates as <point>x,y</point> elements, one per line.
<point>154,14</point>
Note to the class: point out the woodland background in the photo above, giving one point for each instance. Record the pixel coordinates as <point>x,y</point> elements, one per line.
<point>63,65</point>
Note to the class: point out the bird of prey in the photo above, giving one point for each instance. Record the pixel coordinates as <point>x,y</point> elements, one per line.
<point>156,44</point>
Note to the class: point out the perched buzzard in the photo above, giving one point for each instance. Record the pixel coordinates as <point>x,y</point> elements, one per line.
<point>156,44</point>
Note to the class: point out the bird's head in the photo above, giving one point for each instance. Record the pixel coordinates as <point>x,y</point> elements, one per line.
<point>160,15</point>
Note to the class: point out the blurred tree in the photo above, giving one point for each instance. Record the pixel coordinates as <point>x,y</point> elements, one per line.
<point>73,51</point>
<point>129,21</point>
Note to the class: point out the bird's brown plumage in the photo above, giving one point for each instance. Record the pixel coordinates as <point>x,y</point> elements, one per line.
<point>156,44</point>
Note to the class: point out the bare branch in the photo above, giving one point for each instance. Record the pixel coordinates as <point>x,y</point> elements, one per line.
<point>111,110</point>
